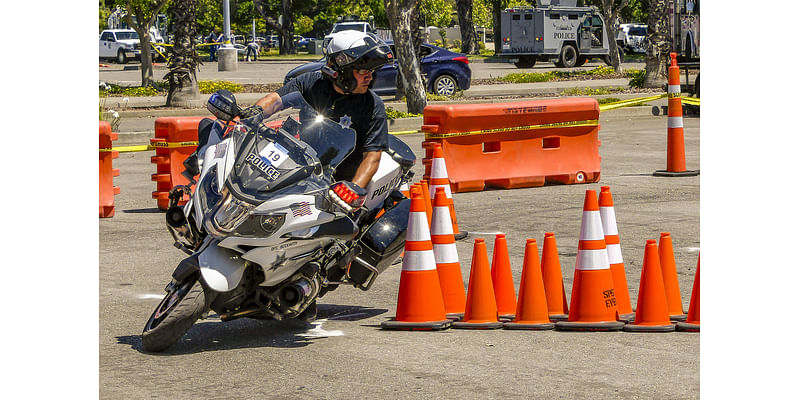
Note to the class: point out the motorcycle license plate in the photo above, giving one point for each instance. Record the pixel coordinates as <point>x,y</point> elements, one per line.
<point>274,153</point>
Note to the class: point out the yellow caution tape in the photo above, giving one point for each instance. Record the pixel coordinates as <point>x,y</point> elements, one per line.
<point>566,124</point>
<point>630,102</point>
<point>173,145</point>
<point>604,107</point>
<point>691,100</point>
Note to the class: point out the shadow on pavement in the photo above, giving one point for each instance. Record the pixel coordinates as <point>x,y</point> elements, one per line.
<point>213,335</point>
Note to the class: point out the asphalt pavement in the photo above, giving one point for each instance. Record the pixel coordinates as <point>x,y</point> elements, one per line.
<point>344,354</point>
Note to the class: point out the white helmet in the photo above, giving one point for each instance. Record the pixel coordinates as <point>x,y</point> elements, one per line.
<point>351,50</point>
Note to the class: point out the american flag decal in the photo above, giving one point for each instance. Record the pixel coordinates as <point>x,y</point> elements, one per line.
<point>300,209</point>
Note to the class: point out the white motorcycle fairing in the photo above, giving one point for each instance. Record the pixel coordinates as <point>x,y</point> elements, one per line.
<point>220,268</point>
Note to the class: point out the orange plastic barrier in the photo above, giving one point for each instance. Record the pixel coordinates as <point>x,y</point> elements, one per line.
<point>516,144</point>
<point>175,140</point>
<point>107,173</point>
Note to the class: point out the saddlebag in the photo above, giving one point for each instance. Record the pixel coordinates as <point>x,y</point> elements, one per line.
<point>380,244</point>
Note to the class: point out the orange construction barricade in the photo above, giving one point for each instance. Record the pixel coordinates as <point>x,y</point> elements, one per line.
<point>518,144</point>
<point>107,173</point>
<point>175,140</point>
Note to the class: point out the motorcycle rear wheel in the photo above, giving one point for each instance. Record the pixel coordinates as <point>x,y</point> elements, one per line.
<point>176,313</point>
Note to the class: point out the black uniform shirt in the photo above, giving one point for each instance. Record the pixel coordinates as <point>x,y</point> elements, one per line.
<point>366,112</point>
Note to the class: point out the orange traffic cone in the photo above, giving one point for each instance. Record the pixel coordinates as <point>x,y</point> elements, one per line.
<point>609,218</point>
<point>676,157</point>
<point>405,190</point>
<point>439,178</point>
<point>427,197</point>
<point>692,323</point>
<point>553,280</point>
<point>502,281</point>
<point>593,304</point>
<point>444,249</point>
<point>419,301</point>
<point>531,310</point>
<point>481,309</point>
<point>651,305</point>
<point>670,276</point>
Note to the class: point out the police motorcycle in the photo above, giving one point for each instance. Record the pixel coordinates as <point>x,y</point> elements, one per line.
<point>267,230</point>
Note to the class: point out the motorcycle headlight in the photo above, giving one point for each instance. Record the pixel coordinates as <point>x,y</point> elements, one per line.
<point>260,225</point>
<point>208,190</point>
<point>230,213</point>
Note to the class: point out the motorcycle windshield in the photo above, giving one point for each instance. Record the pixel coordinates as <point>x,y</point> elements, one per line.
<point>299,156</point>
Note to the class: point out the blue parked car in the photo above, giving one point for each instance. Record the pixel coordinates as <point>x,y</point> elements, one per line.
<point>446,72</point>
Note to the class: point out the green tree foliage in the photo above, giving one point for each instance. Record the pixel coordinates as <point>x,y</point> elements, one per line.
<point>105,12</point>
<point>437,13</point>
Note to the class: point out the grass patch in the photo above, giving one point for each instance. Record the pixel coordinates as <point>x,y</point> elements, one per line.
<point>208,87</point>
<point>636,77</point>
<point>607,100</point>
<point>391,113</point>
<point>597,72</point>
<point>578,91</point>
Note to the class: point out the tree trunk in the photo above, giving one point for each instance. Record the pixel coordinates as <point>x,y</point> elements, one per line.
<point>498,39</point>
<point>142,28</point>
<point>182,75</point>
<point>400,15</point>
<point>285,30</point>
<point>658,48</point>
<point>610,11</point>
<point>469,38</point>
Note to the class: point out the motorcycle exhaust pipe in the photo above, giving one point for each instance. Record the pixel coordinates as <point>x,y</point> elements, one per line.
<point>295,293</point>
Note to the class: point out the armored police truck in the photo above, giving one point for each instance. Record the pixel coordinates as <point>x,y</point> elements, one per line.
<point>556,29</point>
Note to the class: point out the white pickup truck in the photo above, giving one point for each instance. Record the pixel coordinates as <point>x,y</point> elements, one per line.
<point>120,45</point>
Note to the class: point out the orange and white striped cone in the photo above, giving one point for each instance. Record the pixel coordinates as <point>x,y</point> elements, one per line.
<point>670,276</point>
<point>531,313</point>
<point>481,309</point>
<point>419,300</point>
<point>676,154</point>
<point>692,323</point>
<point>439,178</point>
<point>447,264</point>
<point>593,304</point>
<point>557,305</point>
<point>426,194</point>
<point>651,303</point>
<point>609,218</point>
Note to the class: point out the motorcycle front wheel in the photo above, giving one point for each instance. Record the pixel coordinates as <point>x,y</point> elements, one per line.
<point>177,312</point>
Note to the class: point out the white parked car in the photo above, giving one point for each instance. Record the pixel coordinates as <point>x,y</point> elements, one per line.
<point>359,26</point>
<point>120,45</point>
<point>632,37</point>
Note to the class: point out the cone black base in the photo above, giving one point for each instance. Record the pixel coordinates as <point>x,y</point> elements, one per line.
<point>589,326</point>
<point>455,316</point>
<point>678,318</point>
<point>394,325</point>
<point>460,235</point>
<point>662,172</point>
<point>531,327</point>
<point>649,328</point>
<point>558,317</point>
<point>687,327</point>
<point>506,317</point>
<point>477,325</point>
<point>627,317</point>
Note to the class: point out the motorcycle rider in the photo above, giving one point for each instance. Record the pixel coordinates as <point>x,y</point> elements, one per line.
<point>341,92</point>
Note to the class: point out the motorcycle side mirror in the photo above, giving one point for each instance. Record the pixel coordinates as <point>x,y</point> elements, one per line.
<point>223,105</point>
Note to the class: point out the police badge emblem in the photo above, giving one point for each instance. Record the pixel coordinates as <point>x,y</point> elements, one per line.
<point>345,121</point>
